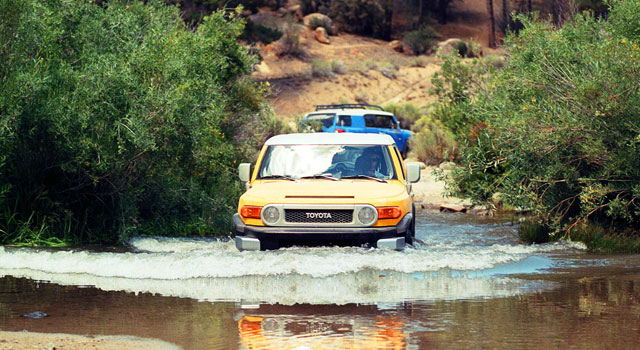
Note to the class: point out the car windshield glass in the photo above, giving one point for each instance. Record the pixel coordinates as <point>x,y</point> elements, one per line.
<point>338,161</point>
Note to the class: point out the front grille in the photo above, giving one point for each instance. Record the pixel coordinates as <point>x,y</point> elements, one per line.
<point>318,216</point>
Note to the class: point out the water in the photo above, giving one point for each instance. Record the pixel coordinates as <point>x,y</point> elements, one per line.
<point>467,284</point>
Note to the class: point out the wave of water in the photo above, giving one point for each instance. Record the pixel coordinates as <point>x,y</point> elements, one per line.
<point>171,259</point>
<point>455,261</point>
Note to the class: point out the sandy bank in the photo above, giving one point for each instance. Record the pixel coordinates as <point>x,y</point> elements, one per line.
<point>31,340</point>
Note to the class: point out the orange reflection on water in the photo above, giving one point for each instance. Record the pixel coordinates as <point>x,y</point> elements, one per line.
<point>291,332</point>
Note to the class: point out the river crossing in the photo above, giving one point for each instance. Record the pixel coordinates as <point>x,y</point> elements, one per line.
<point>467,284</point>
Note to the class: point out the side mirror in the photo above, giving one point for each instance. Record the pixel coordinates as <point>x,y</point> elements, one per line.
<point>413,172</point>
<point>244,172</point>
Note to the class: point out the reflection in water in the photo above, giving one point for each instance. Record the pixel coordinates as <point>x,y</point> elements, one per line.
<point>285,330</point>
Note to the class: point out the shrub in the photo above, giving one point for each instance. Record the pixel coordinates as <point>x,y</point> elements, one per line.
<point>327,69</point>
<point>117,120</point>
<point>420,61</point>
<point>365,17</point>
<point>420,41</point>
<point>316,22</point>
<point>291,41</point>
<point>322,68</point>
<point>388,69</point>
<point>407,114</point>
<point>256,32</point>
<point>556,130</point>
<point>532,231</point>
<point>432,143</point>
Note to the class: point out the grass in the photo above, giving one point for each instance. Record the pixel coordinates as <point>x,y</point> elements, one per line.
<point>596,237</point>
<point>328,69</point>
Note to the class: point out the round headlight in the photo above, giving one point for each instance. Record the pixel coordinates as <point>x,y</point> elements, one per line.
<point>367,216</point>
<point>270,215</point>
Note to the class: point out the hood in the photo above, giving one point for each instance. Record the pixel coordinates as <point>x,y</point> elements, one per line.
<point>318,190</point>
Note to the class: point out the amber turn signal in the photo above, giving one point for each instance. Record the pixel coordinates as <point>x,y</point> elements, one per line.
<point>389,212</point>
<point>250,212</point>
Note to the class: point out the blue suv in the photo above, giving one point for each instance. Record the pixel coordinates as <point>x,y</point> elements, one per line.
<point>359,118</point>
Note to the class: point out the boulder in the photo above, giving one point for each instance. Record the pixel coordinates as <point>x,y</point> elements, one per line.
<point>452,208</point>
<point>321,35</point>
<point>396,45</point>
<point>275,48</point>
<point>319,18</point>
<point>263,68</point>
<point>449,46</point>
<point>295,11</point>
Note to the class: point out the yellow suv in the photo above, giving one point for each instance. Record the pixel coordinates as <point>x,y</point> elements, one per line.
<point>336,188</point>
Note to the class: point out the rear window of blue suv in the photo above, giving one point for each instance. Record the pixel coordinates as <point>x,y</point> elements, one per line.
<point>357,118</point>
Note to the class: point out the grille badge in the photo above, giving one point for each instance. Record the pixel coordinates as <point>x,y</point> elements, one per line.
<point>318,215</point>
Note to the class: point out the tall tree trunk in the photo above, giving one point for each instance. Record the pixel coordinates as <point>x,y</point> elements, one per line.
<point>421,11</point>
<point>492,25</point>
<point>505,15</point>
<point>442,11</point>
<point>529,7</point>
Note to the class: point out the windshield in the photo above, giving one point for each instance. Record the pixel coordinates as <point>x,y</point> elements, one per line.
<point>338,161</point>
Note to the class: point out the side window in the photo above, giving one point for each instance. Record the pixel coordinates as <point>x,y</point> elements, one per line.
<point>370,121</point>
<point>344,120</point>
<point>325,119</point>
<point>379,121</point>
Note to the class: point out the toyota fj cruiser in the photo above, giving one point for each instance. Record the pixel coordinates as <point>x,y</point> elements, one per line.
<point>358,118</point>
<point>341,188</point>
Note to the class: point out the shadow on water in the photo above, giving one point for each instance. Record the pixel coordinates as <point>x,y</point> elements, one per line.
<point>468,285</point>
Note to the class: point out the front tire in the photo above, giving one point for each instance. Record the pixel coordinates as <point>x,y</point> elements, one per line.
<point>409,236</point>
<point>269,244</point>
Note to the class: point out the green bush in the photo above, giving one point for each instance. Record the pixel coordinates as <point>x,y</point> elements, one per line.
<point>432,143</point>
<point>255,32</point>
<point>321,68</point>
<point>291,41</point>
<point>531,231</point>
<point>558,128</point>
<point>365,17</point>
<point>420,41</point>
<point>118,120</point>
<point>407,114</point>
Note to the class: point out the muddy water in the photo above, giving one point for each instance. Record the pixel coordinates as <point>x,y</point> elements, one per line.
<point>468,284</point>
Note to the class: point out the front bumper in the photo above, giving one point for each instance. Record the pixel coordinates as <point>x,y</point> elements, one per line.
<point>391,237</point>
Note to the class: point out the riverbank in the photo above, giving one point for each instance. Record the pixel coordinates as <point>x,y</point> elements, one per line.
<point>50,341</point>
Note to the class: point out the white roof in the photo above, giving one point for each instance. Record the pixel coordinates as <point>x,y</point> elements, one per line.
<point>352,111</point>
<point>328,138</point>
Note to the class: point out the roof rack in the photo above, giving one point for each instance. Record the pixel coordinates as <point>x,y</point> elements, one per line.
<point>347,106</point>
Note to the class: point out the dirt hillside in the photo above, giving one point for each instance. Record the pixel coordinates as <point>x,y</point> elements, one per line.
<point>295,91</point>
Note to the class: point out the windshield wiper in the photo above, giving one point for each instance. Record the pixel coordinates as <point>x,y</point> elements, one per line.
<point>320,176</point>
<point>279,177</point>
<point>363,177</point>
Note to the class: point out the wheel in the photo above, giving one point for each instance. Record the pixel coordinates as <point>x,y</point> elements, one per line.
<point>269,244</point>
<point>409,236</point>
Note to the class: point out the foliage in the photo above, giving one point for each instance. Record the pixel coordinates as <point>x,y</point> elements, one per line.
<point>407,114</point>
<point>118,119</point>
<point>454,86</point>
<point>256,32</point>
<point>557,129</point>
<point>364,17</point>
<point>432,143</point>
<point>291,41</point>
<point>327,69</point>
<point>388,69</point>
<point>531,231</point>
<point>421,40</point>
<point>323,22</point>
